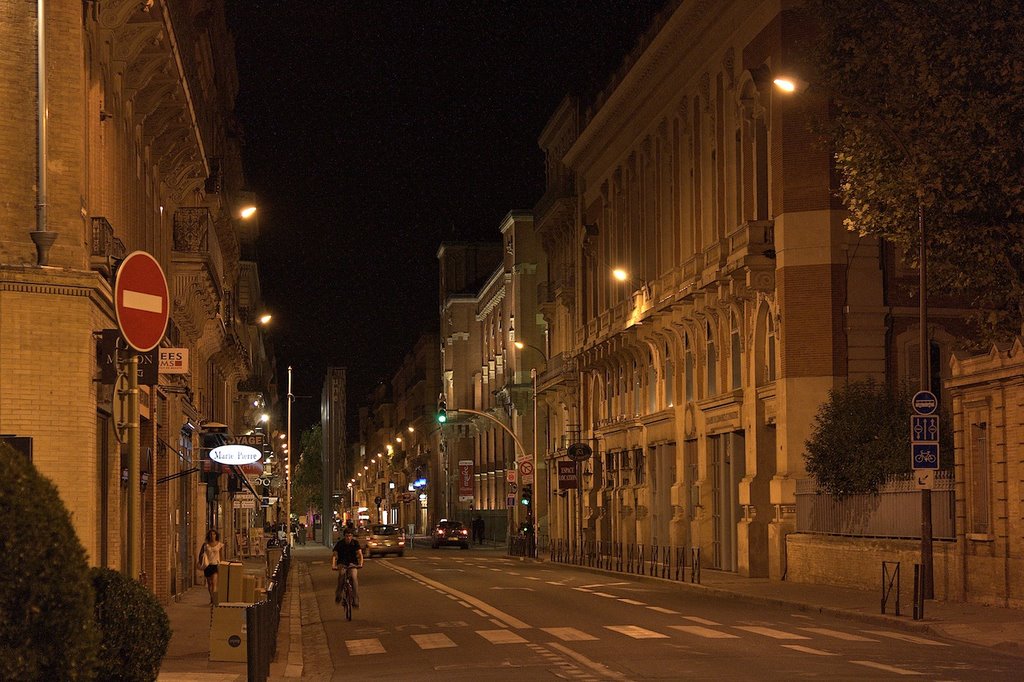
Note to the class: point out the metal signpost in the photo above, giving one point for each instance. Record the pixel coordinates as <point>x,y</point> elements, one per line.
<point>924,459</point>
<point>142,307</point>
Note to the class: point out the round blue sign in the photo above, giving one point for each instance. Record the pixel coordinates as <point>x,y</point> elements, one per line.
<point>925,402</point>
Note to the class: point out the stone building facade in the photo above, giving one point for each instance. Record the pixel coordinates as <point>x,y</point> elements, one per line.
<point>485,311</point>
<point>139,153</point>
<point>740,299</point>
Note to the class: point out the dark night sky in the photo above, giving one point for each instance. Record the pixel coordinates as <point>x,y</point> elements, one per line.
<point>375,130</point>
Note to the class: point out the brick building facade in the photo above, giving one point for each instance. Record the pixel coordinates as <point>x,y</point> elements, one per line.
<point>139,153</point>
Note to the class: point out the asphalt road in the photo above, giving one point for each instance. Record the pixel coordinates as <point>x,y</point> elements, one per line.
<point>450,614</point>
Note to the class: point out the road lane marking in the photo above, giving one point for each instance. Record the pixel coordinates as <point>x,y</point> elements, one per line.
<point>848,636</point>
<point>480,613</point>
<point>662,609</point>
<point>603,585</point>
<point>435,640</point>
<point>702,631</point>
<point>905,638</point>
<point>598,668</point>
<point>887,668</point>
<point>361,647</point>
<point>769,632</point>
<point>605,594</point>
<point>632,601</point>
<point>569,634</point>
<point>702,621</point>
<point>808,650</point>
<point>532,577</point>
<point>636,632</point>
<point>509,620</point>
<point>501,636</point>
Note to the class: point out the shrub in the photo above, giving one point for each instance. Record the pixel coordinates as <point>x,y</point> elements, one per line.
<point>134,626</point>
<point>47,631</point>
<point>861,435</point>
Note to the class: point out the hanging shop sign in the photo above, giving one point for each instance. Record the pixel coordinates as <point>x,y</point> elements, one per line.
<point>235,454</point>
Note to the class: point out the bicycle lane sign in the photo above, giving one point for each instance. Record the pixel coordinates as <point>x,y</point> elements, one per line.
<point>925,455</point>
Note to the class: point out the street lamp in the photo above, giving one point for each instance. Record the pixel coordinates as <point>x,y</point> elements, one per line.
<point>790,84</point>
<point>288,461</point>
<point>536,471</point>
<point>247,212</point>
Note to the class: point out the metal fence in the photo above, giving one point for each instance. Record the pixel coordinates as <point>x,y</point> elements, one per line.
<point>262,620</point>
<point>660,561</point>
<point>894,512</point>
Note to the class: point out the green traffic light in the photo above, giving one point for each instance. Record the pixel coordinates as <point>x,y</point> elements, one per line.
<point>442,417</point>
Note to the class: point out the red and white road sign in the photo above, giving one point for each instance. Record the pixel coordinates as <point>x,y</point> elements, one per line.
<point>141,301</point>
<point>525,471</point>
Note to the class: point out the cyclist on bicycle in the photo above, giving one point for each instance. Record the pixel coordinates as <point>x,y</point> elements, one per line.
<point>349,554</point>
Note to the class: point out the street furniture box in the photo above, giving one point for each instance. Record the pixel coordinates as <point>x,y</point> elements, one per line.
<point>233,580</point>
<point>249,588</point>
<point>228,636</point>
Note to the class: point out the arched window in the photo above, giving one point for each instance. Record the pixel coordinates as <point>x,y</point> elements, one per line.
<point>609,394</point>
<point>638,393</point>
<point>712,361</point>
<point>652,384</point>
<point>769,348</point>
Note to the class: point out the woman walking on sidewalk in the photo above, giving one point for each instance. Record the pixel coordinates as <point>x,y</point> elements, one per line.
<point>209,558</point>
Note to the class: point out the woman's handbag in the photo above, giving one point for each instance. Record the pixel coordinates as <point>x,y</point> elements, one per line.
<point>204,560</point>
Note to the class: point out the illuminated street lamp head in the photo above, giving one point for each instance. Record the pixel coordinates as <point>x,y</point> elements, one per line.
<point>620,274</point>
<point>265,318</point>
<point>264,417</point>
<point>519,344</point>
<point>790,84</point>
<point>247,212</point>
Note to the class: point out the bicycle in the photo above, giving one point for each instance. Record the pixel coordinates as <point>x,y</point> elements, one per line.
<point>347,590</point>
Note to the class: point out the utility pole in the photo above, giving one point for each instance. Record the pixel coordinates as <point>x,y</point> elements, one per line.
<point>288,465</point>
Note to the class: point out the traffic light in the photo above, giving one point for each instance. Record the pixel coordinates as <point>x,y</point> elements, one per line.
<point>528,494</point>
<point>442,409</point>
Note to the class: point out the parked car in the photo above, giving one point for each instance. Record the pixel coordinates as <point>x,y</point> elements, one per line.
<point>450,533</point>
<point>385,539</point>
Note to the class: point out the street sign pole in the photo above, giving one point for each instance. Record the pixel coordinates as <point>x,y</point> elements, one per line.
<point>134,542</point>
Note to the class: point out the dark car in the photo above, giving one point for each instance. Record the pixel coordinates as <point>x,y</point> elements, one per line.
<point>385,539</point>
<point>450,533</point>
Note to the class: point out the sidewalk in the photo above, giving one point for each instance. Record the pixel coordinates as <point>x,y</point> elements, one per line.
<point>188,654</point>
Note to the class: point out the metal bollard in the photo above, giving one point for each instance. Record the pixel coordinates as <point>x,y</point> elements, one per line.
<point>918,592</point>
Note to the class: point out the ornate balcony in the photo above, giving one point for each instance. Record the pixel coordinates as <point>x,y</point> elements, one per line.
<point>197,269</point>
<point>106,248</point>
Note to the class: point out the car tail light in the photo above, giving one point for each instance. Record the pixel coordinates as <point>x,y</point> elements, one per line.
<point>464,532</point>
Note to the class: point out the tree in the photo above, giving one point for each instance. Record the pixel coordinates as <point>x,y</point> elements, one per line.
<point>860,436</point>
<point>308,482</point>
<point>47,626</point>
<point>928,102</point>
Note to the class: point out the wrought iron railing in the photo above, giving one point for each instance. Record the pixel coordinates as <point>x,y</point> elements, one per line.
<point>659,561</point>
<point>262,620</point>
<point>894,512</point>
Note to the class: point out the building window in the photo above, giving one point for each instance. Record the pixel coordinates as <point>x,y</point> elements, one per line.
<point>639,463</point>
<point>688,367</point>
<point>652,386</point>
<point>979,479</point>
<point>735,354</point>
<point>769,348</point>
<point>670,389</point>
<point>712,362</point>
<point>637,389</point>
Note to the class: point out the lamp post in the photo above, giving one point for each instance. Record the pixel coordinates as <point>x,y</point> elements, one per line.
<point>533,516</point>
<point>288,464</point>
<point>795,85</point>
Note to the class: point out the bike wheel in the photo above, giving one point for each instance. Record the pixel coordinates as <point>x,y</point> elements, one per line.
<point>348,601</point>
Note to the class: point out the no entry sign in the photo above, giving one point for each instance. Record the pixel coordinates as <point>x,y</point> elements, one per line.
<point>141,301</point>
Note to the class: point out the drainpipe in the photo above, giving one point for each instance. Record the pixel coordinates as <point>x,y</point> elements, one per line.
<point>42,237</point>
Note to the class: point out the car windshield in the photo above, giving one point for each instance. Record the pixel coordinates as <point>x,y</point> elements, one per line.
<point>450,525</point>
<point>386,530</point>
